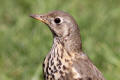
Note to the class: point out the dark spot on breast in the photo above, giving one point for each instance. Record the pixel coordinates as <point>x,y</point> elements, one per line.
<point>62,77</point>
<point>89,78</point>
<point>53,76</point>
<point>59,67</point>
<point>66,60</point>
<point>61,72</point>
<point>44,76</point>
<point>68,53</point>
<point>49,68</point>
<point>58,53</point>
<point>47,77</point>
<point>59,62</point>
<point>64,67</point>
<point>55,69</point>
<point>50,78</point>
<point>62,51</point>
<point>49,57</point>
<point>62,44</point>
<point>51,71</point>
<point>43,65</point>
<point>52,63</point>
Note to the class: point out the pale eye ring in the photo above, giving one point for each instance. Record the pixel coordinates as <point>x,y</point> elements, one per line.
<point>57,20</point>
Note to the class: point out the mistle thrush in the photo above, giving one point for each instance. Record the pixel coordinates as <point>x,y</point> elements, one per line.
<point>66,60</point>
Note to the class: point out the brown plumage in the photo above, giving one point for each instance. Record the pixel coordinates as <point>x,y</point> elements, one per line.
<point>66,60</point>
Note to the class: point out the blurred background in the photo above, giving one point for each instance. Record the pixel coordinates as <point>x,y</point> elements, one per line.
<point>24,42</point>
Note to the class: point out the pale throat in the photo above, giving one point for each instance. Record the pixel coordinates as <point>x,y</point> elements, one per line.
<point>58,46</point>
<point>70,43</point>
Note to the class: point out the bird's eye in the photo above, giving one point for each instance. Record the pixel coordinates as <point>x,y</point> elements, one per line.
<point>57,20</point>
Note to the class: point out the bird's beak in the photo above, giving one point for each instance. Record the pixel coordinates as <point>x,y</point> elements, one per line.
<point>42,18</point>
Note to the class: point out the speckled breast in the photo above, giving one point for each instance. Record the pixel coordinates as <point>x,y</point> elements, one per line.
<point>57,63</point>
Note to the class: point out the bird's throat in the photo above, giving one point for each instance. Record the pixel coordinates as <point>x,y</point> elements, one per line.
<point>70,44</point>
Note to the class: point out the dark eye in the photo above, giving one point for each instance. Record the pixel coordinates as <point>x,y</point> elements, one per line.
<point>57,20</point>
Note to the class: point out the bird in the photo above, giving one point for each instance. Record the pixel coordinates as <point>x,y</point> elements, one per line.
<point>66,59</point>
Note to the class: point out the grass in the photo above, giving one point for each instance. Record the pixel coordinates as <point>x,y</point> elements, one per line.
<point>24,42</point>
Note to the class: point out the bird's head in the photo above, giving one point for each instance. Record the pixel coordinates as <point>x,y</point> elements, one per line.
<point>60,23</point>
<point>64,28</point>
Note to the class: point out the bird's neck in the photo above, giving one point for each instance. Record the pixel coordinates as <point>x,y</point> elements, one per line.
<point>71,43</point>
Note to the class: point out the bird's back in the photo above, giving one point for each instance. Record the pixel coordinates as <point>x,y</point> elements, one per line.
<point>85,68</point>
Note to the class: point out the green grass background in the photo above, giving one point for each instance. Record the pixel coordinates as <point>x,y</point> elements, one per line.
<point>24,42</point>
